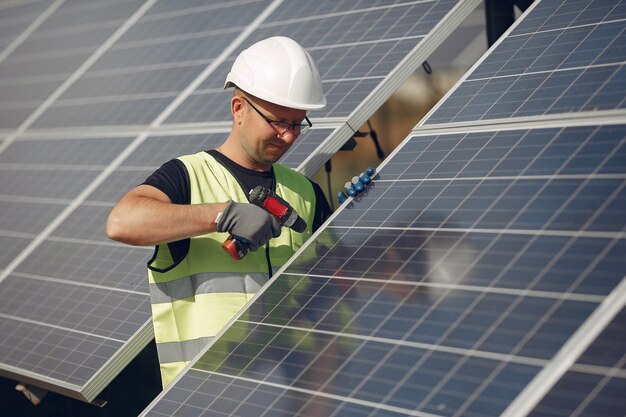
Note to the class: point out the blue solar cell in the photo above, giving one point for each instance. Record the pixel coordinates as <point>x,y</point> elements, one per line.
<point>77,262</point>
<point>584,395</point>
<point>27,217</point>
<point>520,204</point>
<point>555,14</point>
<point>11,247</point>
<point>130,111</point>
<point>101,312</point>
<point>565,151</point>
<point>558,68</point>
<point>156,150</point>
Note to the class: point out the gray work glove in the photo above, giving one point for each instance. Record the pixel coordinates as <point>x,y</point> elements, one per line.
<point>248,222</point>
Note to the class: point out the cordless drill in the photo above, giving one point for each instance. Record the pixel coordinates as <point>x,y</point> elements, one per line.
<point>274,205</point>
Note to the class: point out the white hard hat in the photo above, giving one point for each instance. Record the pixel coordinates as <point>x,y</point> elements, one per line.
<point>280,71</point>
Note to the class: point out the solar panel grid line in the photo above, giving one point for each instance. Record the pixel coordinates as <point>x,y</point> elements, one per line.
<point>34,57</point>
<point>555,120</point>
<point>84,17</point>
<point>19,235</point>
<point>74,30</point>
<point>149,67</point>
<point>616,176</point>
<point>56,326</point>
<point>579,26</point>
<point>565,295</point>
<point>107,204</point>
<point>559,233</point>
<point>567,355</point>
<point>347,12</point>
<point>48,167</point>
<point>74,283</point>
<point>15,3</point>
<point>29,30</point>
<point>185,11</point>
<point>615,372</point>
<point>69,102</point>
<point>131,44</point>
<point>400,342</point>
<point>531,232</point>
<point>574,81</point>
<point>554,71</point>
<point>26,199</point>
<point>76,75</point>
<point>125,131</point>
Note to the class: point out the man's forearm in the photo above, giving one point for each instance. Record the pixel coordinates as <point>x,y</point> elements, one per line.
<point>146,218</point>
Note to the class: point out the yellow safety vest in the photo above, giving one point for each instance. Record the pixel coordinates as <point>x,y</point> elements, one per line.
<point>193,299</point>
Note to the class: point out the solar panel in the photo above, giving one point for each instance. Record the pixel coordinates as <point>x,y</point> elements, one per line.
<point>98,94</point>
<point>480,274</point>
<point>547,67</point>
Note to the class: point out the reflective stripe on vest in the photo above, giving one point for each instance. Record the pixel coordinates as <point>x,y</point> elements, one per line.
<point>193,300</point>
<point>165,292</point>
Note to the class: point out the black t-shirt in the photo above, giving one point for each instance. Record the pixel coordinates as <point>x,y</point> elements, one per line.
<point>173,180</point>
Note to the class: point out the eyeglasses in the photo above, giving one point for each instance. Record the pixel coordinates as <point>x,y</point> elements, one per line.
<point>282,127</point>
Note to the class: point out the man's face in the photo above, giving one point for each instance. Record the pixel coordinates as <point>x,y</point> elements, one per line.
<point>265,143</point>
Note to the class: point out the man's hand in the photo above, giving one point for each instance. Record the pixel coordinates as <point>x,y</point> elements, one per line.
<point>249,222</point>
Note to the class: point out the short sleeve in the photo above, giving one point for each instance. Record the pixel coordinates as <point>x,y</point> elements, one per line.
<point>172,178</point>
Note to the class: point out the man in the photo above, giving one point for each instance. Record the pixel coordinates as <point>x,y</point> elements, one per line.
<point>190,206</point>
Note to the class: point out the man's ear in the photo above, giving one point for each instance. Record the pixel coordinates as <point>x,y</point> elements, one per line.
<point>236,108</point>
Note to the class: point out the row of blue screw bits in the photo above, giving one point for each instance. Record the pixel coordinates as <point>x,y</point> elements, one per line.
<point>356,185</point>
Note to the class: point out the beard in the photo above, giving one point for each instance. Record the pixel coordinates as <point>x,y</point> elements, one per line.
<point>272,150</point>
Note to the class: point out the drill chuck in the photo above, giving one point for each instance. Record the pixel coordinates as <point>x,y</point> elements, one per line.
<point>277,207</point>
